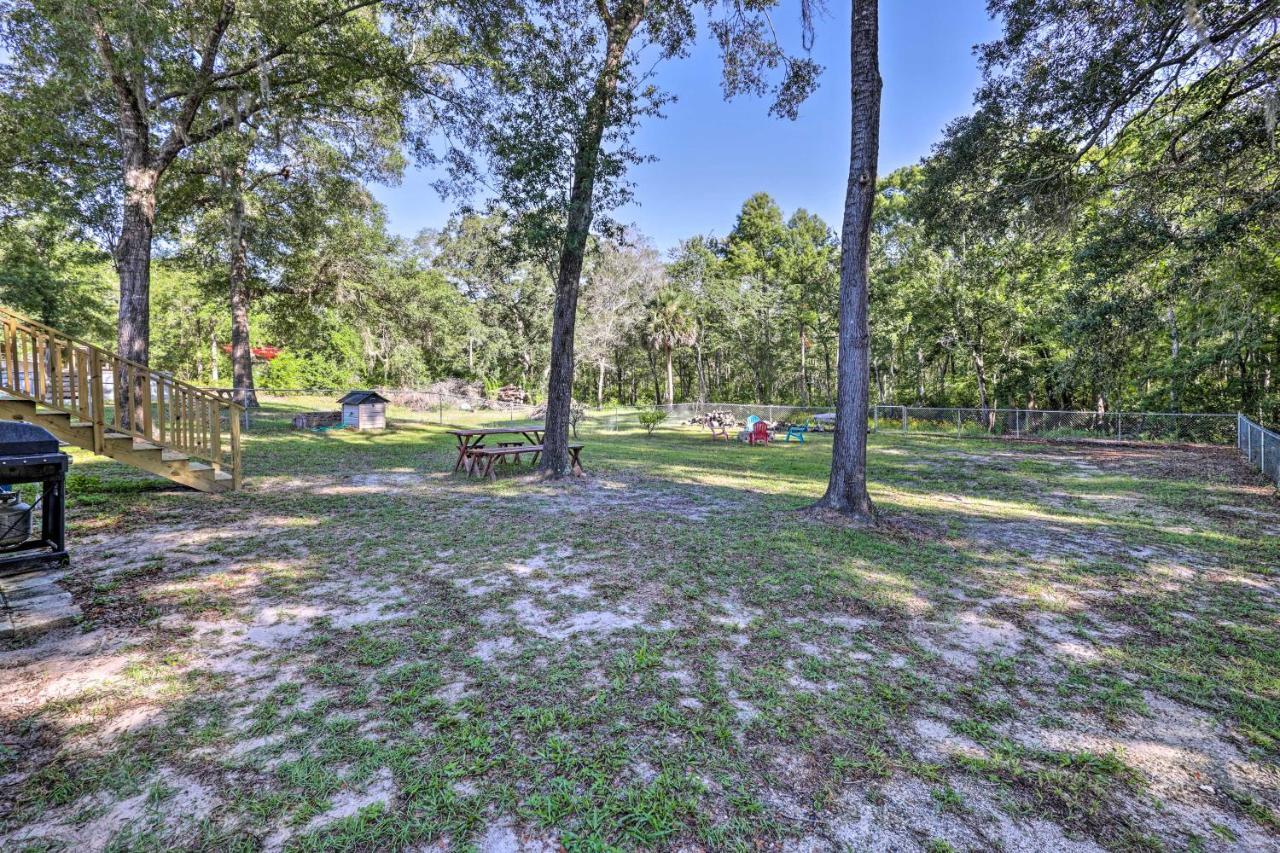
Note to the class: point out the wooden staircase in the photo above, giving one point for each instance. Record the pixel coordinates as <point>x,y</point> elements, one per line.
<point>94,399</point>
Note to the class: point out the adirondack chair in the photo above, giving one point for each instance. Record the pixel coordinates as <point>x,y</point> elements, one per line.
<point>759,433</point>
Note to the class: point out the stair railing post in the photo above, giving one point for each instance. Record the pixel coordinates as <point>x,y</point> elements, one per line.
<point>97,400</point>
<point>38,379</point>
<point>10,360</point>
<point>55,373</point>
<point>215,407</point>
<point>146,405</point>
<point>235,446</point>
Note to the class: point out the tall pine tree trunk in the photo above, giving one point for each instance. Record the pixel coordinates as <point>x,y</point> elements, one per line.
<point>657,384</point>
<point>702,371</point>
<point>214,376</point>
<point>980,371</point>
<point>671,384</point>
<point>804,376</point>
<point>555,454</point>
<point>847,487</point>
<point>238,276</point>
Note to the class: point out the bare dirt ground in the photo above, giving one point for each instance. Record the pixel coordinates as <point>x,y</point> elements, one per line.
<point>1042,648</point>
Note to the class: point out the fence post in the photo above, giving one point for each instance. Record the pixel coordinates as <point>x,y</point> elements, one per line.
<point>1017,428</point>
<point>440,404</point>
<point>1119,422</point>
<point>958,431</point>
<point>904,418</point>
<point>875,418</point>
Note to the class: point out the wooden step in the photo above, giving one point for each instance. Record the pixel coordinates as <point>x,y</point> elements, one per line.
<point>60,374</point>
<point>151,457</point>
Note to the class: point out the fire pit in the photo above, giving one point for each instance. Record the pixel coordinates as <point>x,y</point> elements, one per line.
<point>30,455</point>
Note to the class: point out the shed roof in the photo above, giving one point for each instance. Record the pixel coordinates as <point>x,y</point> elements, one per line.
<point>356,398</point>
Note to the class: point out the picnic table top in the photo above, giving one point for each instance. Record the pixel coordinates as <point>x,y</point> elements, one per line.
<point>509,430</point>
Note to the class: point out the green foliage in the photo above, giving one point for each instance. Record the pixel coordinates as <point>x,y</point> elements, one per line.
<point>290,370</point>
<point>55,277</point>
<point>650,419</point>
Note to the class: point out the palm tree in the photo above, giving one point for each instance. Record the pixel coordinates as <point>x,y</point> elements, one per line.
<point>670,324</point>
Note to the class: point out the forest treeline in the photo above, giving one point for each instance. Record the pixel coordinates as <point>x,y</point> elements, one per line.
<point>1137,268</point>
<point>1065,318</point>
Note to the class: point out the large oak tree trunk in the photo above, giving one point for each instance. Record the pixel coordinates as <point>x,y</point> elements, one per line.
<point>238,276</point>
<point>847,487</point>
<point>555,454</point>
<point>133,266</point>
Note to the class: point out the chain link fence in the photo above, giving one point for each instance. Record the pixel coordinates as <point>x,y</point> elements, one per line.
<point>277,407</point>
<point>1260,446</point>
<point>1160,427</point>
<point>742,411</point>
<point>280,405</point>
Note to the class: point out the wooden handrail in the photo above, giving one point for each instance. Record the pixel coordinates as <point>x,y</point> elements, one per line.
<point>41,364</point>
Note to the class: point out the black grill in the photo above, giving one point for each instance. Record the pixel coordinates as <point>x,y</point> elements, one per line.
<point>30,455</point>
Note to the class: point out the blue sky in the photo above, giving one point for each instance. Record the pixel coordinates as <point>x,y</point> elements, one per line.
<point>712,154</point>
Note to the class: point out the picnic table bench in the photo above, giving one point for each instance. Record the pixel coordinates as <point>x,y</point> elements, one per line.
<point>473,455</point>
<point>487,456</point>
<point>473,439</point>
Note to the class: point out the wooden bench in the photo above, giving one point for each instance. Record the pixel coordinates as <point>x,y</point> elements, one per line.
<point>485,457</point>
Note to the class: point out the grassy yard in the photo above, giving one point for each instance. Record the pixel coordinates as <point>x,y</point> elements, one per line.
<point>1044,647</point>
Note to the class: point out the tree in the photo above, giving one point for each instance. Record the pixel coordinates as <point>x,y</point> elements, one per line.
<point>51,274</point>
<point>140,84</point>
<point>670,324</point>
<point>621,278</point>
<point>847,487</point>
<point>568,97</point>
<point>480,256</point>
<point>693,268</point>
<point>265,190</point>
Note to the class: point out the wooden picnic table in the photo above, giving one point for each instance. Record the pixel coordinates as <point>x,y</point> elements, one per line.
<point>474,439</point>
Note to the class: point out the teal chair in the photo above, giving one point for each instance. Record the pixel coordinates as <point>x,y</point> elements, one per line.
<point>797,431</point>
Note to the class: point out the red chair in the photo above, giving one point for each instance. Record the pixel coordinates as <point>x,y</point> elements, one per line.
<point>759,433</point>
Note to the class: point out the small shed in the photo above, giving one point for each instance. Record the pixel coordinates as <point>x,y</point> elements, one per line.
<point>364,410</point>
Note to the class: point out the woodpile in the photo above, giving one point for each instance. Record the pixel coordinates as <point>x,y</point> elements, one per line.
<point>577,412</point>
<point>453,393</point>
<point>312,420</point>
<point>512,394</point>
<point>725,419</point>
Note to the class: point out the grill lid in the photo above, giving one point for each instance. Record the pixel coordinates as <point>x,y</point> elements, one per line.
<point>23,439</point>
